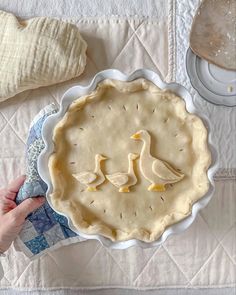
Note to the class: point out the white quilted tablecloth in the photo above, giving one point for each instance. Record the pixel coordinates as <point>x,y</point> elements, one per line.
<point>202,257</point>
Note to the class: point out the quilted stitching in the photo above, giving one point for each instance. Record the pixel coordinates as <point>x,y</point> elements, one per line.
<point>229,244</point>
<point>162,267</point>
<point>3,122</point>
<point>156,274</point>
<point>197,250</point>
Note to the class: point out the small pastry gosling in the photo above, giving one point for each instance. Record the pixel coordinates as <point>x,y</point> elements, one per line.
<point>92,179</point>
<point>124,180</point>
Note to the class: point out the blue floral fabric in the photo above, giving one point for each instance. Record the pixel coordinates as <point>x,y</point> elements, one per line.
<point>43,228</point>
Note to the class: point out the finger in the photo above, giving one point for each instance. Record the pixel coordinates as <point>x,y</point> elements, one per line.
<point>3,193</point>
<point>6,205</point>
<point>7,202</point>
<point>28,206</point>
<point>14,187</point>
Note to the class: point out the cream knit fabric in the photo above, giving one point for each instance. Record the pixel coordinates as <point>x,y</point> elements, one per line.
<point>38,52</point>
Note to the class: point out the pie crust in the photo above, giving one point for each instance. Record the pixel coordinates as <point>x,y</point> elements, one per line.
<point>101,123</point>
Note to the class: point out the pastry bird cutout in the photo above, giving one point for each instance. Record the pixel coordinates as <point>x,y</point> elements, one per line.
<point>92,179</point>
<point>124,180</point>
<point>158,172</point>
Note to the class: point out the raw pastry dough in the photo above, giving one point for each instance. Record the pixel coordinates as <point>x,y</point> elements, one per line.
<point>158,172</point>
<point>124,180</point>
<point>38,52</point>
<point>92,179</point>
<point>102,122</point>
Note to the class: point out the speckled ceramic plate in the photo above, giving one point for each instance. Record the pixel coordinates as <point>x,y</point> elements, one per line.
<point>214,84</point>
<point>77,91</point>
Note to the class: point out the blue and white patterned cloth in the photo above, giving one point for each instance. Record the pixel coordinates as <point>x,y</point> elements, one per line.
<point>44,228</point>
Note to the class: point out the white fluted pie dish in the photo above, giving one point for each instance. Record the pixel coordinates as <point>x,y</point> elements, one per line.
<point>78,91</point>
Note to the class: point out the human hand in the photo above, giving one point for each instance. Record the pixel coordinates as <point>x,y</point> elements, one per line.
<point>12,216</point>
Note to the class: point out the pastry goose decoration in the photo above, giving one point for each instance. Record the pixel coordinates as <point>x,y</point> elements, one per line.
<point>92,179</point>
<point>124,180</point>
<point>158,172</point>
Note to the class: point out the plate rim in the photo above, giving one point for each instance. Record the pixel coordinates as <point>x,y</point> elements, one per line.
<point>66,100</point>
<point>194,81</point>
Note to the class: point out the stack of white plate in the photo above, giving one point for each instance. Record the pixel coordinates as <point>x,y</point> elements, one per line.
<point>213,83</point>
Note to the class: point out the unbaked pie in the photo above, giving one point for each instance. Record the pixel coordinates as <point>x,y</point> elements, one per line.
<point>129,161</point>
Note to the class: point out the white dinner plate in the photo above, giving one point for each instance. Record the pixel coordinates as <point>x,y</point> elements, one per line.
<point>214,84</point>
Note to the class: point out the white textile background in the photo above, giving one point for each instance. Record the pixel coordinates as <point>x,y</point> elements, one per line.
<point>202,257</point>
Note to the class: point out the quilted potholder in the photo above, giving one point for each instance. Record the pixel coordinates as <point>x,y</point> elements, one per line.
<point>44,228</point>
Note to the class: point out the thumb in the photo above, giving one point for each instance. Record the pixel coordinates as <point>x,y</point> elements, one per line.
<point>28,206</point>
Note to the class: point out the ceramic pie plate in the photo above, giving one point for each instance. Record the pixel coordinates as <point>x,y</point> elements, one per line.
<point>213,83</point>
<point>78,91</point>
